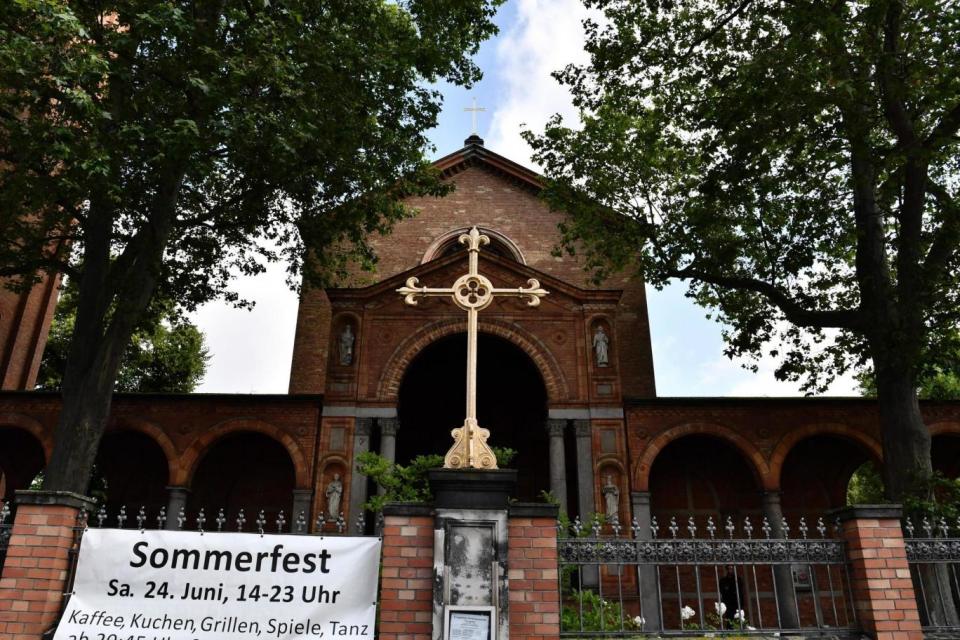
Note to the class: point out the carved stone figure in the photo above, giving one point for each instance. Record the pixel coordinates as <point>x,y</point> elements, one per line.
<point>346,345</point>
<point>601,344</point>
<point>611,498</point>
<point>334,492</point>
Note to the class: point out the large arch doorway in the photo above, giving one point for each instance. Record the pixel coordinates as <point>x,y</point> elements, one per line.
<point>131,470</point>
<point>245,470</point>
<point>815,476</point>
<point>21,459</point>
<point>511,403</point>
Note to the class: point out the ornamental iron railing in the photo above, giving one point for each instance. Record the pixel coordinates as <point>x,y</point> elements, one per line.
<point>698,579</point>
<point>933,553</point>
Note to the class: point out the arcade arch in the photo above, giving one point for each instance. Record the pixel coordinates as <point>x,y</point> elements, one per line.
<point>244,470</point>
<point>132,471</point>
<point>701,475</point>
<point>815,473</point>
<point>22,457</point>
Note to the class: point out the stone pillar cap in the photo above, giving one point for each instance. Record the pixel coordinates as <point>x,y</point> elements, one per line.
<point>868,512</point>
<point>55,498</point>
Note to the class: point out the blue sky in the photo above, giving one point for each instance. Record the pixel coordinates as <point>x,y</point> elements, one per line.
<point>252,349</point>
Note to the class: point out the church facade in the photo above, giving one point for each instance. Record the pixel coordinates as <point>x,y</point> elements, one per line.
<point>568,385</point>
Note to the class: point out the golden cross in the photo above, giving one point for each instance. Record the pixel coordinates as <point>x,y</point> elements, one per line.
<point>471,292</point>
<point>473,113</point>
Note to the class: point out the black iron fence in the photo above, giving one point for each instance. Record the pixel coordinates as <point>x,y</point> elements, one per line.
<point>933,553</point>
<point>695,579</point>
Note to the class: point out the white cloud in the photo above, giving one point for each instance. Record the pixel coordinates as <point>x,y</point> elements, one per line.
<point>251,350</point>
<point>547,35</point>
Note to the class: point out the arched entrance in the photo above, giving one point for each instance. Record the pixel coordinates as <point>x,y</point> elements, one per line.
<point>131,470</point>
<point>21,459</point>
<point>511,403</point>
<point>244,470</point>
<point>703,476</point>
<point>816,474</point>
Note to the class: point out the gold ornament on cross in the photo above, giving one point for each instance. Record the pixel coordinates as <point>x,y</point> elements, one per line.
<point>471,292</point>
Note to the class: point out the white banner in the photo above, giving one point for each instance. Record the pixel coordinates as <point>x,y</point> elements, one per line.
<point>180,585</point>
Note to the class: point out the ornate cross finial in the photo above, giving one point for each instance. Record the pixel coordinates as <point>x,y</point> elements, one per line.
<point>471,292</point>
<point>473,114</point>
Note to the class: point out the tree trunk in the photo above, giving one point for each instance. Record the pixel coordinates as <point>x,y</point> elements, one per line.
<point>907,467</point>
<point>112,300</point>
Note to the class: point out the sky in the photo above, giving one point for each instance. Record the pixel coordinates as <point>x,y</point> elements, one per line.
<point>251,350</point>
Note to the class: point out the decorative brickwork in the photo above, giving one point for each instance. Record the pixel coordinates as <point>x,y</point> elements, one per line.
<point>534,583</point>
<point>36,568</point>
<point>880,576</point>
<point>406,586</point>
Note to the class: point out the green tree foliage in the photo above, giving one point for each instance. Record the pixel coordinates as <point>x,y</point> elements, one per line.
<point>166,353</point>
<point>939,380</point>
<point>797,165</point>
<point>408,483</point>
<point>171,145</point>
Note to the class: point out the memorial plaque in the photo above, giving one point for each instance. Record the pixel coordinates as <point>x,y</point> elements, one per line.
<point>470,623</point>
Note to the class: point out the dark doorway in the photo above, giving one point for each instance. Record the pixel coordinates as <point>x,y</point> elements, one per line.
<point>702,476</point>
<point>21,459</point>
<point>131,470</point>
<point>511,403</point>
<point>249,471</point>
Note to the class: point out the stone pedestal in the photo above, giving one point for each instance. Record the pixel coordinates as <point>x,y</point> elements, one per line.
<point>646,573</point>
<point>176,501</point>
<point>470,543</point>
<point>37,563</point>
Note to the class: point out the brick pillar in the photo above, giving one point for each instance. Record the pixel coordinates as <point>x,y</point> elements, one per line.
<point>406,587</point>
<point>533,572</point>
<point>879,574</point>
<point>36,567</point>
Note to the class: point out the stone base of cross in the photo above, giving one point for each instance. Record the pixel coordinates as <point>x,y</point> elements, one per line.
<point>473,293</point>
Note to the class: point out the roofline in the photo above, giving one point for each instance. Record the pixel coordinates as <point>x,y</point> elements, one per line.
<point>449,163</point>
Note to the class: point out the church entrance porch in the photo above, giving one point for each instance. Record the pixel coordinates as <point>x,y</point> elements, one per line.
<point>512,404</point>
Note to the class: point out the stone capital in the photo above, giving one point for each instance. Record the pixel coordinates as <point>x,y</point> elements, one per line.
<point>389,426</point>
<point>555,427</point>
<point>363,426</point>
<point>771,498</point>
<point>582,428</point>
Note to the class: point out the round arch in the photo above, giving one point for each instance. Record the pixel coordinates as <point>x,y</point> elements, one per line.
<point>32,426</point>
<point>388,388</point>
<point>156,434</point>
<point>199,447</point>
<point>442,242</point>
<point>795,436</point>
<point>22,457</point>
<point>752,456</point>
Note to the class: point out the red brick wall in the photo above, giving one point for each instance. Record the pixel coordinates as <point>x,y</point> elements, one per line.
<point>880,578</point>
<point>24,325</point>
<point>35,570</point>
<point>491,200</point>
<point>534,583</point>
<point>406,586</point>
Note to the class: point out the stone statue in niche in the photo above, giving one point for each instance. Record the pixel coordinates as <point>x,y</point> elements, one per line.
<point>601,346</point>
<point>334,492</point>
<point>346,345</point>
<point>611,499</point>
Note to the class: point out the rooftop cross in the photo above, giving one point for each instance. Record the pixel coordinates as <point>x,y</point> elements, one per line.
<point>471,292</point>
<point>473,114</point>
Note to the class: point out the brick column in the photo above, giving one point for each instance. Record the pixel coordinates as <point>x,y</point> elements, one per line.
<point>533,572</point>
<point>883,593</point>
<point>406,587</point>
<point>36,567</point>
